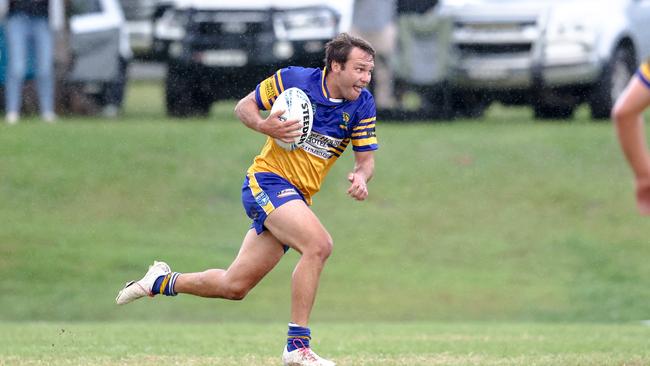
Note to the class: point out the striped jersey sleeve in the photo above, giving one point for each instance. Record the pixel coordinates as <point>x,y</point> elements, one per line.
<point>362,132</point>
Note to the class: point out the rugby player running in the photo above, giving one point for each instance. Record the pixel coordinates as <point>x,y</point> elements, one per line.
<point>279,186</point>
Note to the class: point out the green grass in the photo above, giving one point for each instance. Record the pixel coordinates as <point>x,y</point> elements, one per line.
<point>496,241</point>
<point>377,343</point>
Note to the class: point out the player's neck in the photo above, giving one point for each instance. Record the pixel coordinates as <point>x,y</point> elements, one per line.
<point>332,86</point>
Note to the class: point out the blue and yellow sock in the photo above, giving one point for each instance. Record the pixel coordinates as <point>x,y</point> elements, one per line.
<point>164,285</point>
<point>297,337</point>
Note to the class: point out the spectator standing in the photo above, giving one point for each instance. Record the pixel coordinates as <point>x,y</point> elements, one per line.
<point>374,21</point>
<point>115,90</point>
<point>31,23</point>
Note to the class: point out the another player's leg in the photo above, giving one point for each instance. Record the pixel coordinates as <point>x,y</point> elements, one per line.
<point>628,119</point>
<point>296,225</point>
<point>257,256</point>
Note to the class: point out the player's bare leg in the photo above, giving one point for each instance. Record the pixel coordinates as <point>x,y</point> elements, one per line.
<point>297,226</point>
<point>628,118</point>
<point>257,256</point>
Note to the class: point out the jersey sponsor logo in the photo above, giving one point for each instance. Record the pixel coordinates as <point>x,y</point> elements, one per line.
<point>320,145</point>
<point>305,122</point>
<point>262,199</point>
<point>287,192</point>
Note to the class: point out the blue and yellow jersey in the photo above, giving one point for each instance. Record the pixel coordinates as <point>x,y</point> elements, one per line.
<point>337,123</point>
<point>644,73</point>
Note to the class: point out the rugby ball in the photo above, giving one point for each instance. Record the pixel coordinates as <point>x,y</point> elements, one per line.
<point>296,105</point>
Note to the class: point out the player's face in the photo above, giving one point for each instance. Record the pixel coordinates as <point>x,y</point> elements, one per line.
<point>355,75</point>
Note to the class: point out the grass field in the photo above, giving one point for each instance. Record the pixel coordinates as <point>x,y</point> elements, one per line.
<point>377,343</point>
<point>500,241</point>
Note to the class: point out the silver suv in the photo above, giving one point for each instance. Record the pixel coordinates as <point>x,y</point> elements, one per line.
<point>550,54</point>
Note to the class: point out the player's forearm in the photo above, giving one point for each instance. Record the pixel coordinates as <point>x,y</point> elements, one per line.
<point>364,165</point>
<point>631,136</point>
<point>247,112</point>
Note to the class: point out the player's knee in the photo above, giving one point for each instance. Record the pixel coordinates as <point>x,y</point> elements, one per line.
<point>237,292</point>
<point>322,248</point>
<point>621,112</point>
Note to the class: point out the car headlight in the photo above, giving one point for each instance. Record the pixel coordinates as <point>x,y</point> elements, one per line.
<point>306,23</point>
<point>171,25</point>
<point>569,41</point>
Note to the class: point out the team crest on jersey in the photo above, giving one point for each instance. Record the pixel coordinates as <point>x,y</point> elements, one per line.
<point>262,199</point>
<point>345,118</point>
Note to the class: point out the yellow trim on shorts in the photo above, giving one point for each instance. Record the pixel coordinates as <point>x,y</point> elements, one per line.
<point>255,189</point>
<point>645,70</point>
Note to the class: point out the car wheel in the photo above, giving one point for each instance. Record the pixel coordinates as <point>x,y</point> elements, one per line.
<point>612,82</point>
<point>178,92</point>
<point>546,111</point>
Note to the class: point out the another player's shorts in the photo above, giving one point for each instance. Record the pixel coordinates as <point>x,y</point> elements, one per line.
<point>644,73</point>
<point>264,192</point>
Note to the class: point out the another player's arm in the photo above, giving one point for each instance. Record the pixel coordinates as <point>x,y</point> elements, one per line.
<point>249,113</point>
<point>364,168</point>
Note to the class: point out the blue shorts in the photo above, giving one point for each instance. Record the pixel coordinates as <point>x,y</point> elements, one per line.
<point>262,193</point>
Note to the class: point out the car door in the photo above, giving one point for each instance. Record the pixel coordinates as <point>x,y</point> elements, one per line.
<point>94,40</point>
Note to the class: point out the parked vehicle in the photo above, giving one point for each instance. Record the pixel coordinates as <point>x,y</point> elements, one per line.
<point>98,43</point>
<point>139,15</point>
<point>551,54</point>
<point>217,49</point>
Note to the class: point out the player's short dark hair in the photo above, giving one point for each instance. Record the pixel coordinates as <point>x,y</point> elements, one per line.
<point>338,49</point>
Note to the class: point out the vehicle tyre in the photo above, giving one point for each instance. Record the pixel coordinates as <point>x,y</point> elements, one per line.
<point>466,104</point>
<point>178,92</point>
<point>545,111</point>
<point>614,78</point>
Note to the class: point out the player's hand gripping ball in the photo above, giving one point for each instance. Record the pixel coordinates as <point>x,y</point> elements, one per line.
<point>296,105</point>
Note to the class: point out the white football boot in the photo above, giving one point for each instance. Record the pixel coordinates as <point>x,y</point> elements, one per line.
<point>134,290</point>
<point>304,357</point>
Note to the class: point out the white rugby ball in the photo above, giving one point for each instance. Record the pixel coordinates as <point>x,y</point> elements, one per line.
<point>296,105</point>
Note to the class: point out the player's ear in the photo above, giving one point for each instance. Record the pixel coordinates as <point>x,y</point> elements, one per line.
<point>336,67</point>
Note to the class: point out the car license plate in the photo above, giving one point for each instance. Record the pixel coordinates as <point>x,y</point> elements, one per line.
<point>487,73</point>
<point>224,58</point>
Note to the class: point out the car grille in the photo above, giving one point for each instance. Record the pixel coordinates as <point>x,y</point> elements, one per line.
<point>504,48</point>
<point>485,38</point>
<point>224,23</point>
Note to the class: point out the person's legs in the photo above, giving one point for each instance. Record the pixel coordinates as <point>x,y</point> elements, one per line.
<point>257,256</point>
<point>17,33</point>
<point>44,42</point>
<point>114,92</point>
<point>296,225</point>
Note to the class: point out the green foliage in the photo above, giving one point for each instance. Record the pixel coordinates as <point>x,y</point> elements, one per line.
<point>501,219</point>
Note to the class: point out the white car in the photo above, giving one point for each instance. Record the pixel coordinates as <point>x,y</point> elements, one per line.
<point>550,54</point>
<point>217,49</point>
<point>99,45</point>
